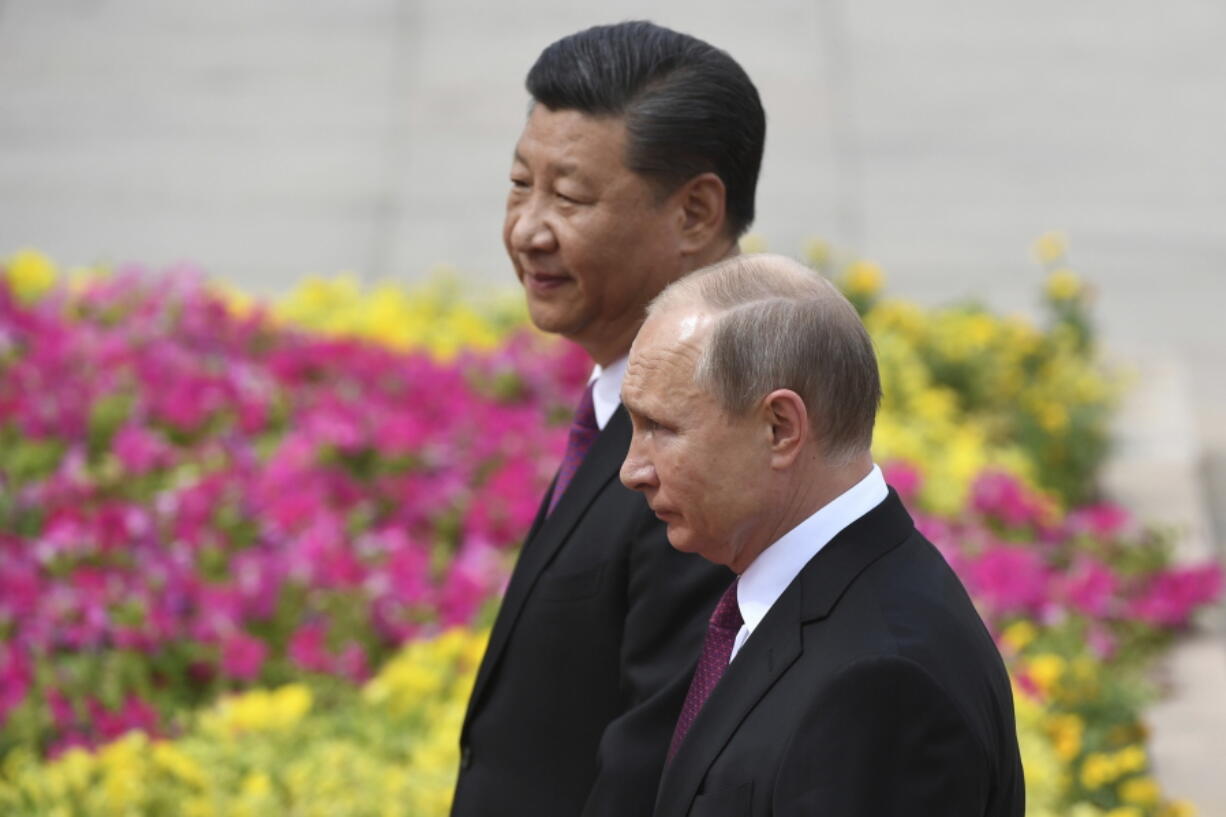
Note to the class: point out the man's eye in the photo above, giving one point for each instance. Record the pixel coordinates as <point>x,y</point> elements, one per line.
<point>519,184</point>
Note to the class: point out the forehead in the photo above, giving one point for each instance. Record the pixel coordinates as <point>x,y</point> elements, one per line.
<point>569,141</point>
<point>666,352</point>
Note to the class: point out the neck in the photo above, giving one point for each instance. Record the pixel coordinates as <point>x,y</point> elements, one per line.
<point>806,492</point>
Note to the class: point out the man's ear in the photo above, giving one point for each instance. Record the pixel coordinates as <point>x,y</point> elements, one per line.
<point>788,421</point>
<point>702,205</point>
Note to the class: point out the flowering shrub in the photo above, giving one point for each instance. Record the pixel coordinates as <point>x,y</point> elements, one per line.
<point>203,495</point>
<point>967,390</point>
<point>436,316</point>
<point>1078,602</point>
<point>193,501</point>
<point>390,751</point>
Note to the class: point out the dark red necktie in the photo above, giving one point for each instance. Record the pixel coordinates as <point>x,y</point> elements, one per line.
<point>583,432</point>
<point>725,623</point>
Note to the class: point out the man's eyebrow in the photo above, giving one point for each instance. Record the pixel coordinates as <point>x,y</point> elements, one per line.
<point>566,168</point>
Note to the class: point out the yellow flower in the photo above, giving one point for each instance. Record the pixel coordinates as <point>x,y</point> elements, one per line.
<point>1045,670</point>
<point>30,274</point>
<point>863,278</point>
<point>258,710</point>
<point>1097,770</point>
<point>1050,247</point>
<point>1142,791</point>
<point>257,784</point>
<point>1131,759</point>
<point>1019,634</point>
<point>1053,417</point>
<point>1066,731</point>
<point>172,759</point>
<point>1063,285</point>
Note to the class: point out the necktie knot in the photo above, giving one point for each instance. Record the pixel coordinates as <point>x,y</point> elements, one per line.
<point>585,413</point>
<point>727,614</point>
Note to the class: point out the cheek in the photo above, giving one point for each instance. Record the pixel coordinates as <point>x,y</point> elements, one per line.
<point>508,225</point>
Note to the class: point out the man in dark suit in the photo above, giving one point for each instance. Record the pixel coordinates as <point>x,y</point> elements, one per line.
<point>637,164</point>
<point>844,671</point>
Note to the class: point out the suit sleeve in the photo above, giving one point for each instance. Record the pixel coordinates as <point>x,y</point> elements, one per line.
<point>883,740</point>
<point>669,597</point>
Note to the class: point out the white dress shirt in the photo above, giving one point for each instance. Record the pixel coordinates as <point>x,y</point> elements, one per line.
<point>607,393</point>
<point>764,581</point>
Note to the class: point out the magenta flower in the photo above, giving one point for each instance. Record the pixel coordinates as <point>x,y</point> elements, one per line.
<point>16,675</point>
<point>1102,521</point>
<point>308,647</point>
<point>242,656</point>
<point>1001,496</point>
<point>1008,581</point>
<point>1090,587</point>
<point>903,478</point>
<point>1171,597</point>
<point>352,663</point>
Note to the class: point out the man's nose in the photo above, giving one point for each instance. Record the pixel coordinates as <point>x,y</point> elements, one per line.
<point>637,472</point>
<point>530,230</point>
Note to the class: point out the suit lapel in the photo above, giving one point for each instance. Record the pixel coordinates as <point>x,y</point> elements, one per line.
<point>601,465</point>
<point>777,643</point>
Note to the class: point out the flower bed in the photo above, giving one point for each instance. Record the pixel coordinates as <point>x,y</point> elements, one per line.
<point>202,495</point>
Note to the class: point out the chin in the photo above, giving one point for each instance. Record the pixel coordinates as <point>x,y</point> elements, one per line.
<point>546,319</point>
<point>684,541</point>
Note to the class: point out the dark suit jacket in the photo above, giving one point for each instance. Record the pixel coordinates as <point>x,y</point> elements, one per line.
<point>871,688</point>
<point>589,658</point>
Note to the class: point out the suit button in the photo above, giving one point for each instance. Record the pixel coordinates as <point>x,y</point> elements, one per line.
<point>466,757</point>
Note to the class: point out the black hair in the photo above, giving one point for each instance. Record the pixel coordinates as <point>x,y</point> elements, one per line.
<point>689,108</point>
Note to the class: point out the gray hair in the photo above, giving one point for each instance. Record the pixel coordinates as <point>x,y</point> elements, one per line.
<point>779,325</point>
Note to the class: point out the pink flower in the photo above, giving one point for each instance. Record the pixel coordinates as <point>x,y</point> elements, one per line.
<point>135,714</point>
<point>308,647</point>
<point>1008,580</point>
<point>904,478</point>
<point>473,574</point>
<point>1170,598</point>
<point>1090,587</point>
<point>1001,496</point>
<point>1102,521</point>
<point>62,712</point>
<point>140,450</point>
<point>242,656</point>
<point>16,675</point>
<point>352,663</point>
<point>407,569</point>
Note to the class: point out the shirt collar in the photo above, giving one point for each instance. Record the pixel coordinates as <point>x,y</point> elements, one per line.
<point>606,382</point>
<point>764,581</point>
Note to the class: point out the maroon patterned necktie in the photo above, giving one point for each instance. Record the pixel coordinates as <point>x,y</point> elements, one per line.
<point>583,432</point>
<point>725,623</point>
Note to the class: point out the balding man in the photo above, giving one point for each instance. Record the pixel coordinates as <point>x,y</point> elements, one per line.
<point>845,670</point>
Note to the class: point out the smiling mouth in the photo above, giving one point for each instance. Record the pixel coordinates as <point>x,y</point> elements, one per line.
<point>542,282</point>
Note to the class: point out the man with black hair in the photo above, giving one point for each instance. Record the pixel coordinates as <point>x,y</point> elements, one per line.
<point>637,165</point>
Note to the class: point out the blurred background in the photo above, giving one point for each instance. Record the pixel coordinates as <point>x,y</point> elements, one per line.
<point>268,141</point>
